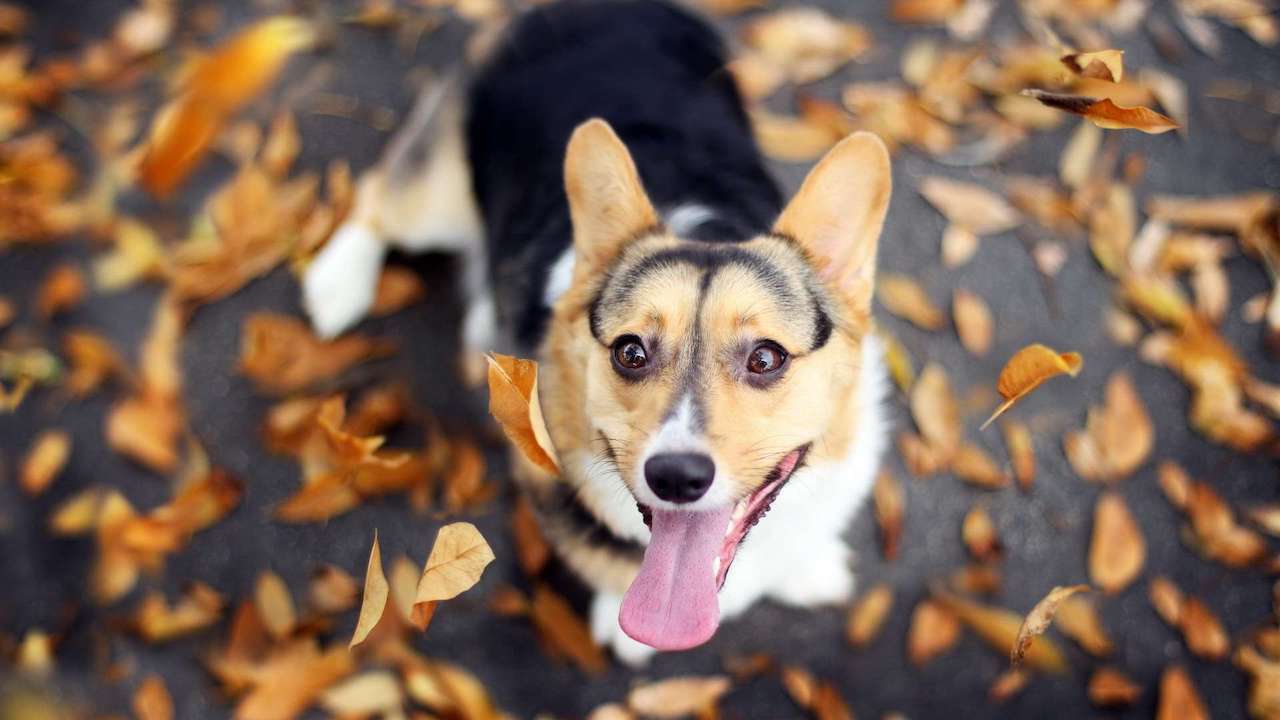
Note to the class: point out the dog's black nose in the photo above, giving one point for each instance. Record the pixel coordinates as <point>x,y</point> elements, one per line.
<point>679,477</point>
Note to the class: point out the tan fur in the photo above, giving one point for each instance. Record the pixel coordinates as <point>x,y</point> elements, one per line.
<point>835,219</point>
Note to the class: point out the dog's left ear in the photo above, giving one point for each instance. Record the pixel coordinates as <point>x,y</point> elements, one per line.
<point>607,203</point>
<point>838,213</point>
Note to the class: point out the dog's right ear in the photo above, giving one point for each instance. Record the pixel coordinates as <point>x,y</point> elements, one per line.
<point>607,203</point>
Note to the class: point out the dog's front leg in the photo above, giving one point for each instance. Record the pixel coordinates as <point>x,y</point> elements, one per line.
<point>607,632</point>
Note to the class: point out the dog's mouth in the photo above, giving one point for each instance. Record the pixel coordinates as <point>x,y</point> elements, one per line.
<point>672,604</point>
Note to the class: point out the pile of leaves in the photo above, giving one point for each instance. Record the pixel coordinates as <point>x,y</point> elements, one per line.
<point>964,97</point>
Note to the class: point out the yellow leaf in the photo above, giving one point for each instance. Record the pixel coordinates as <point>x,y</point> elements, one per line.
<point>1027,369</point>
<point>376,592</point>
<point>458,559</point>
<point>513,401</point>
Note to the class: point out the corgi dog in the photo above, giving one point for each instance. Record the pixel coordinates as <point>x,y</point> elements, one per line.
<point>708,370</point>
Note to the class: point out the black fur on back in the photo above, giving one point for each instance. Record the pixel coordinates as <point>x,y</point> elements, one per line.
<point>657,74</point>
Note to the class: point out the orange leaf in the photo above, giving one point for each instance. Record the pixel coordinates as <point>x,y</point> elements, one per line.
<point>513,401</point>
<point>1106,114</point>
<point>1027,369</point>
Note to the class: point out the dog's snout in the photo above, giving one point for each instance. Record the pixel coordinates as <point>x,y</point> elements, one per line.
<point>679,477</point>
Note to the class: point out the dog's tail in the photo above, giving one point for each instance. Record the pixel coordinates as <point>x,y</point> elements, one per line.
<point>417,197</point>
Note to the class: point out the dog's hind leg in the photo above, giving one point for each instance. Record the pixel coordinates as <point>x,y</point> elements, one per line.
<point>416,198</point>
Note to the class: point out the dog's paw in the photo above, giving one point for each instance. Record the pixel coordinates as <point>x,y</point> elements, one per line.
<point>340,284</point>
<point>822,577</point>
<point>606,632</point>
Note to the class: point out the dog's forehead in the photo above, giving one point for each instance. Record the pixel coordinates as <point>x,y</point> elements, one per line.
<point>672,281</point>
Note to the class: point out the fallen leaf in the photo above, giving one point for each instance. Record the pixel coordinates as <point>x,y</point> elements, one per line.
<point>1117,437</point>
<point>93,361</point>
<point>970,206</point>
<point>678,697</point>
<point>1022,456</point>
<point>933,631</point>
<point>868,615</point>
<point>1109,688</point>
<point>1037,621</point>
<point>1102,64</point>
<point>156,621</point>
<point>904,297</point>
<point>374,598</point>
<point>532,549</point>
<point>808,43</point>
<point>45,460</point>
<point>275,605</point>
<point>1264,685</point>
<point>514,403</point>
<point>934,409</point>
<point>999,628</point>
<point>979,534</point>
<point>1078,619</point>
<point>1179,699</point>
<point>1106,114</point>
<point>973,322</point>
<point>151,701</point>
<point>1008,684</point>
<point>281,354</point>
<point>1075,166</point>
<point>1117,549</point>
<point>820,699</point>
<point>216,88</point>
<point>369,693</point>
<point>959,245</point>
<point>62,290</point>
<point>889,500</point>
<point>791,139</point>
<point>1027,369</point>
<point>398,288</point>
<point>458,559</point>
<point>332,590</point>
<point>565,632</point>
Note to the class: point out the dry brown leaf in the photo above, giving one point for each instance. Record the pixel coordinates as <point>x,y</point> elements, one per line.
<point>281,354</point>
<point>1179,699</point>
<point>973,321</point>
<point>959,245</point>
<point>1203,631</point>
<point>970,206</point>
<point>374,598</point>
<point>137,254</point>
<point>155,621</point>
<point>934,630</point>
<point>808,43</point>
<point>999,628</point>
<point>1117,437</point>
<point>1078,619</point>
<point>1213,530</point>
<point>44,461</point>
<point>292,678</point>
<point>1022,455</point>
<point>275,605</point>
<point>1027,369</point>
<point>1225,213</point>
<point>791,139</point>
<point>151,701</point>
<point>935,411</point>
<point>977,579</point>
<point>565,632</point>
<point>93,361</point>
<point>1102,64</point>
<point>332,590</point>
<point>973,465</point>
<point>448,689</point>
<point>1109,688</point>
<point>146,426</point>
<point>514,403</point>
<point>1264,686</point>
<point>889,501</point>
<point>398,288</point>
<point>903,296</point>
<point>1112,224</point>
<point>63,289</point>
<point>896,357</point>
<point>1117,550</point>
<point>1008,684</point>
<point>369,693</point>
<point>458,559</point>
<point>979,534</point>
<point>678,697</point>
<point>1038,620</point>
<point>1167,599</point>
<point>216,88</point>
<point>1075,167</point>
<point>1106,114</point>
<point>532,549</point>
<point>868,615</point>
<point>921,459</point>
<point>820,699</point>
<point>1123,328</point>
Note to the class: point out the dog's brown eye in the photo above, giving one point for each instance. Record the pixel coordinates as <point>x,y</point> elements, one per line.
<point>766,358</point>
<point>629,353</point>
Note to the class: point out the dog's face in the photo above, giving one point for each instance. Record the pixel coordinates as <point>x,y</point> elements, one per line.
<point>709,371</point>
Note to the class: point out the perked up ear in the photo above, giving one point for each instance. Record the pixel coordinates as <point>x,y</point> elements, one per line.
<point>607,203</point>
<point>838,213</point>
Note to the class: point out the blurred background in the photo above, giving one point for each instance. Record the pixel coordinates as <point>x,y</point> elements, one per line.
<point>173,544</point>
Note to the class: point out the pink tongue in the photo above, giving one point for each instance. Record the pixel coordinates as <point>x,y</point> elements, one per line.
<point>672,604</point>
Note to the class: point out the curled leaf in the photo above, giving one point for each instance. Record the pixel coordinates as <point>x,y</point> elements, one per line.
<point>513,402</point>
<point>1027,369</point>
<point>1037,621</point>
<point>1106,114</point>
